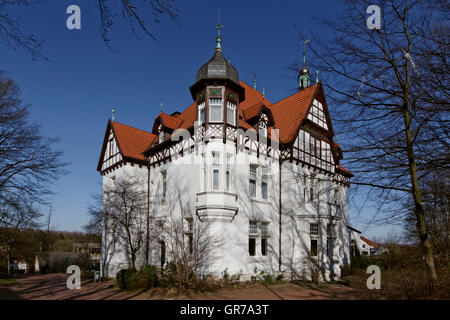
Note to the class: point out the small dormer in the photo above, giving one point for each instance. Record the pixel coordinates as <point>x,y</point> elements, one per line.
<point>164,126</point>
<point>263,124</point>
<point>161,134</point>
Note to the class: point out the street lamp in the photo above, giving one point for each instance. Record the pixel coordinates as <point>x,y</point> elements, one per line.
<point>10,243</point>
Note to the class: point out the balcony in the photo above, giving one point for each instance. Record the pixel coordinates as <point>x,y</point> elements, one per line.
<point>216,206</point>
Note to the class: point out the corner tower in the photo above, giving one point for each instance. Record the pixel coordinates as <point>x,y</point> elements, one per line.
<point>217,90</point>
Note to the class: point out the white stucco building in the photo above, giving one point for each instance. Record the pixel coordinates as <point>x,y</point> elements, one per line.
<point>264,176</point>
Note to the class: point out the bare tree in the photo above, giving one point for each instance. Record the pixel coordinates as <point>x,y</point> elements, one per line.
<point>124,212</point>
<point>132,11</point>
<point>376,81</point>
<point>436,202</point>
<point>95,213</point>
<point>28,163</point>
<point>11,32</point>
<point>190,244</point>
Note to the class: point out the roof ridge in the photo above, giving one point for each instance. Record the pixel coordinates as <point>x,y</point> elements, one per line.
<point>293,95</point>
<point>126,125</point>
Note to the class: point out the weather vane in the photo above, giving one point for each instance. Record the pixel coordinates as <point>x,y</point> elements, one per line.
<point>305,42</point>
<point>219,24</point>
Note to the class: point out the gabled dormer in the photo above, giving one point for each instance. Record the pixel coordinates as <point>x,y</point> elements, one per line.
<point>164,125</point>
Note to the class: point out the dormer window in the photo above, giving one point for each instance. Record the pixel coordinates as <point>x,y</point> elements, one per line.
<point>231,113</point>
<point>161,134</point>
<point>262,128</point>
<point>201,112</point>
<point>215,110</point>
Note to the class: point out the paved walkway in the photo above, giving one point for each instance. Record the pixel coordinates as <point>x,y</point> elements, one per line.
<point>53,287</point>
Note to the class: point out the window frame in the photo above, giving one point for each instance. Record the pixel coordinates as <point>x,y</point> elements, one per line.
<point>314,229</point>
<point>264,246</point>
<point>250,248</point>
<point>201,112</point>
<point>233,107</point>
<point>164,183</point>
<point>214,106</point>
<point>316,247</point>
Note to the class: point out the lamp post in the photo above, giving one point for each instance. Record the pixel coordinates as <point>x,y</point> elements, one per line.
<point>10,242</point>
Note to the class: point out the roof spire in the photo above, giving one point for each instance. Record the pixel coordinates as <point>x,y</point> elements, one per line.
<point>113,112</point>
<point>219,37</point>
<point>317,76</point>
<point>303,74</point>
<point>254,81</point>
<point>161,105</point>
<point>305,42</point>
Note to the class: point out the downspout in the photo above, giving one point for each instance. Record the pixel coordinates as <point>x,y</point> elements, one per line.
<point>148,215</point>
<point>279,206</point>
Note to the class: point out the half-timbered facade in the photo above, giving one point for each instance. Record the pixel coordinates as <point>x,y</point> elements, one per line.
<point>264,176</point>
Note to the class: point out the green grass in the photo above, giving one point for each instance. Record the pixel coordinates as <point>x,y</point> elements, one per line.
<point>8,281</point>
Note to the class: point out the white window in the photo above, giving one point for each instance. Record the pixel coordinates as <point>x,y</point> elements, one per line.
<point>262,129</point>
<point>215,110</point>
<point>216,158</point>
<point>314,229</point>
<point>264,228</point>
<point>265,184</point>
<point>264,246</point>
<point>216,179</point>
<point>252,181</point>
<point>164,184</point>
<point>201,112</point>
<point>161,134</point>
<point>231,113</point>
<point>253,227</point>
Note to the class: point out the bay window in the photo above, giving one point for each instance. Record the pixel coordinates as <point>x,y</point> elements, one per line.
<point>201,112</point>
<point>231,113</point>
<point>215,110</point>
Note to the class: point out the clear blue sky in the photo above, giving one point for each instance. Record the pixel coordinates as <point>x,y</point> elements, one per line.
<point>71,96</point>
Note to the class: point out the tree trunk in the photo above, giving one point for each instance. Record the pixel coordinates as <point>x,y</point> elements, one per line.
<point>133,260</point>
<point>419,211</point>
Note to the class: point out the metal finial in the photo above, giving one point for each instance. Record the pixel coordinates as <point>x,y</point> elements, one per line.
<point>161,105</point>
<point>219,37</point>
<point>113,112</point>
<point>317,76</point>
<point>219,24</point>
<point>305,42</point>
<point>254,81</point>
<point>264,93</point>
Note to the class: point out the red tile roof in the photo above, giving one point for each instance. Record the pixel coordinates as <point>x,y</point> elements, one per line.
<point>290,112</point>
<point>345,170</point>
<point>371,243</point>
<point>169,121</point>
<point>287,114</point>
<point>132,142</point>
